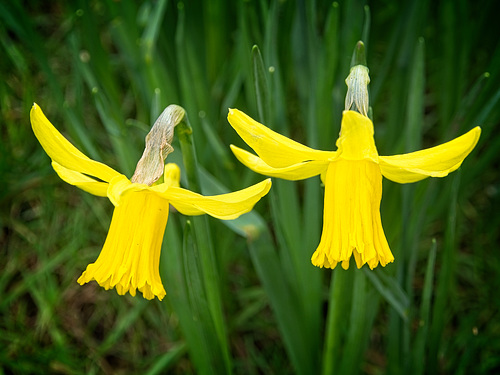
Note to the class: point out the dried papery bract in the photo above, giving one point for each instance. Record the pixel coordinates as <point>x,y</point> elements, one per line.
<point>357,82</point>
<point>158,145</point>
<point>357,90</point>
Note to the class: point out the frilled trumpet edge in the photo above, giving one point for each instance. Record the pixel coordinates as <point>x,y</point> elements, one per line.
<point>351,219</point>
<point>130,257</point>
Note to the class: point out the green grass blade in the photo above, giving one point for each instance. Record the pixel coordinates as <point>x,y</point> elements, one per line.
<point>123,324</point>
<point>445,287</point>
<point>306,279</point>
<point>366,26</point>
<point>167,360</point>
<point>419,344</point>
<point>204,242</point>
<point>152,29</point>
<point>283,301</point>
<point>390,290</point>
<point>261,86</point>
<point>199,306</point>
<point>185,293</point>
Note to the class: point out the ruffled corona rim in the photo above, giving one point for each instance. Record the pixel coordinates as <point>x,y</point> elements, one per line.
<point>351,217</point>
<point>130,257</point>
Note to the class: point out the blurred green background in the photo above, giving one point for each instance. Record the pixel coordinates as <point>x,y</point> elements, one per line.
<point>102,71</point>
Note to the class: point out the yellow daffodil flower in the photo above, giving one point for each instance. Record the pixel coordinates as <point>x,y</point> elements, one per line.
<point>352,176</point>
<point>130,257</point>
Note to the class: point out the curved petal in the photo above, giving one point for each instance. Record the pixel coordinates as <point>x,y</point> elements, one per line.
<point>224,206</point>
<point>62,151</point>
<point>81,181</point>
<point>293,172</point>
<point>275,149</point>
<point>120,185</point>
<point>172,175</point>
<point>432,162</point>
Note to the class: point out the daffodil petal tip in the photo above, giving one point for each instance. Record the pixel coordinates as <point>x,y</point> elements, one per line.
<point>436,161</point>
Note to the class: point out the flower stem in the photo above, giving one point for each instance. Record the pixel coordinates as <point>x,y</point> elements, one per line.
<point>338,289</point>
<point>359,55</point>
<point>203,240</point>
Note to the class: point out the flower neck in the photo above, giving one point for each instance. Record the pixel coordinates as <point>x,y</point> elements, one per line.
<point>356,138</point>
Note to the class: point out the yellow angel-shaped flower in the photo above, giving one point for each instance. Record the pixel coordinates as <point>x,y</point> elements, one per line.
<point>352,176</point>
<point>130,257</point>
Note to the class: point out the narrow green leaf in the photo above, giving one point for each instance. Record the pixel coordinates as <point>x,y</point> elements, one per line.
<point>261,85</point>
<point>366,26</point>
<point>114,123</point>
<point>445,283</point>
<point>327,72</point>
<point>415,108</point>
<point>186,294</point>
<point>469,100</point>
<point>34,278</point>
<point>283,301</point>
<point>208,259</point>
<point>123,323</point>
<point>390,290</point>
<point>150,34</point>
<point>167,360</point>
<point>419,345</point>
<point>199,305</point>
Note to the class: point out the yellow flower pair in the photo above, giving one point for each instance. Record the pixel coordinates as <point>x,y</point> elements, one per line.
<point>352,176</point>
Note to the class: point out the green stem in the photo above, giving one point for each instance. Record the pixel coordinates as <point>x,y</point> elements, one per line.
<point>338,289</point>
<point>203,239</point>
<point>359,55</point>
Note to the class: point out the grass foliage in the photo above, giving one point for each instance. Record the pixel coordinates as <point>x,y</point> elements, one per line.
<point>242,296</point>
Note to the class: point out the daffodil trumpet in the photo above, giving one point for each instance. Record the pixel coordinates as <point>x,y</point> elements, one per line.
<point>129,260</point>
<point>352,176</point>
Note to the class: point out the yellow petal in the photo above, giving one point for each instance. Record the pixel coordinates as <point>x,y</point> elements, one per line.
<point>172,175</point>
<point>224,206</point>
<point>275,149</point>
<point>294,172</point>
<point>62,151</point>
<point>119,186</point>
<point>81,181</point>
<point>130,258</point>
<point>432,162</point>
